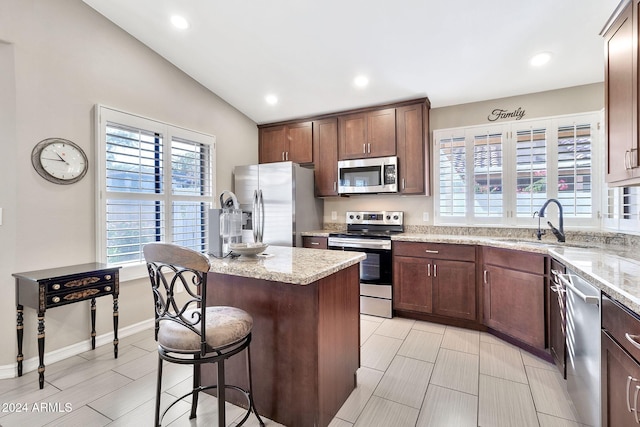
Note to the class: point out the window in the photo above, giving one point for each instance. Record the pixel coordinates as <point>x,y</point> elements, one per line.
<point>502,174</point>
<point>623,209</point>
<point>156,183</point>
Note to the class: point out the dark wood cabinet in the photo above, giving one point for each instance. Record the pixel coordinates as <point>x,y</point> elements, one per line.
<point>621,96</point>
<point>367,134</point>
<point>411,128</point>
<point>513,289</point>
<point>314,242</point>
<point>620,370</point>
<point>556,297</point>
<point>292,142</point>
<point>435,278</point>
<point>325,155</point>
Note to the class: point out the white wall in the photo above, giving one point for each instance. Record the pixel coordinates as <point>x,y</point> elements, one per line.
<point>571,100</point>
<point>58,58</point>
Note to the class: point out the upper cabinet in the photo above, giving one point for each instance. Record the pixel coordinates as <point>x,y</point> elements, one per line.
<point>397,129</point>
<point>367,134</point>
<point>412,134</point>
<point>292,142</point>
<point>621,96</point>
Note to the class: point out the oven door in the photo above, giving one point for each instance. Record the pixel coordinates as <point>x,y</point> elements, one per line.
<point>376,268</point>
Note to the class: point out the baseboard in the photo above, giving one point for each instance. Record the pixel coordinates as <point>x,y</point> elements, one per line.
<point>31,364</point>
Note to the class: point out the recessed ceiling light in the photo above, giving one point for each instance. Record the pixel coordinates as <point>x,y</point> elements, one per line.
<point>179,22</point>
<point>361,81</point>
<point>540,59</point>
<point>271,99</point>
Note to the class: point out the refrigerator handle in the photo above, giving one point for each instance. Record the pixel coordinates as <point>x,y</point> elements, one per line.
<point>261,203</point>
<point>254,216</point>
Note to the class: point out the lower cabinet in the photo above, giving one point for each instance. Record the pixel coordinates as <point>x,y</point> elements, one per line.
<point>314,242</point>
<point>620,370</point>
<point>556,295</point>
<point>435,278</point>
<point>513,290</point>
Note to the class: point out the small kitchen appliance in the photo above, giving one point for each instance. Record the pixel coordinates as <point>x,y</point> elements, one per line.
<point>370,233</point>
<point>225,225</point>
<point>373,175</point>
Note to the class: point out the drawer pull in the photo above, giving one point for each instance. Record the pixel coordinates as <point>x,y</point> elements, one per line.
<point>55,299</point>
<point>629,379</point>
<point>56,287</point>
<point>107,288</point>
<point>315,243</point>
<point>632,339</point>
<point>635,405</point>
<point>430,251</point>
<point>107,277</point>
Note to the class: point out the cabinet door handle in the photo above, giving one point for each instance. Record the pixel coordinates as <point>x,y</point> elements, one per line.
<point>335,186</point>
<point>286,155</point>
<point>403,186</point>
<point>627,159</point>
<point>632,339</point>
<point>369,148</point>
<point>431,251</point>
<point>283,156</point>
<point>428,270</point>
<point>484,277</point>
<point>635,404</point>
<point>364,148</point>
<point>629,379</point>
<point>435,270</point>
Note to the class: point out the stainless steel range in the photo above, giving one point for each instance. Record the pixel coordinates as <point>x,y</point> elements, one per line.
<point>370,232</point>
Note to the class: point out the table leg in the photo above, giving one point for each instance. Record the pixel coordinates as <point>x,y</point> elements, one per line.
<point>20,332</point>
<point>41,349</point>
<point>93,323</point>
<point>115,327</point>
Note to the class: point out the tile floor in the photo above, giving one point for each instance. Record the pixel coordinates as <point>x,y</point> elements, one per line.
<point>413,374</point>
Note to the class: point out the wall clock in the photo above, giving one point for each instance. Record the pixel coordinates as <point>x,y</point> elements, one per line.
<point>59,161</point>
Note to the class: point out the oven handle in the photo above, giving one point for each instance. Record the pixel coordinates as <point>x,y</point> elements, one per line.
<point>360,243</point>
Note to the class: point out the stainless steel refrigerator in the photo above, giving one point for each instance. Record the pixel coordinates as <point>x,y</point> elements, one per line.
<point>278,203</point>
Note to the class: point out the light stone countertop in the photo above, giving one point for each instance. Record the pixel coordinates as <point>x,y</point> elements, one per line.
<point>613,269</point>
<point>299,266</point>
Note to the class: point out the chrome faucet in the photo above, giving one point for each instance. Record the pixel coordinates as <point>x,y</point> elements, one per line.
<point>559,233</point>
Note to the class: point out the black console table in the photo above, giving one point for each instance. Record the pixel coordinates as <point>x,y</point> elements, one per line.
<point>54,287</point>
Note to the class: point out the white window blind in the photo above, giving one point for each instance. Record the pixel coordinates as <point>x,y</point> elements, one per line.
<point>156,185</point>
<point>487,174</point>
<point>504,173</point>
<point>574,170</point>
<point>531,170</point>
<point>453,169</point>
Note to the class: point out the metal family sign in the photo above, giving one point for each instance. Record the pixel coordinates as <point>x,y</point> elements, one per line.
<point>499,113</point>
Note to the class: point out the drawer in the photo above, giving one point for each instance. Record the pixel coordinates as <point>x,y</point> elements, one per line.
<point>515,260</point>
<point>68,297</point>
<point>435,251</point>
<point>71,283</point>
<point>622,325</point>
<point>315,242</point>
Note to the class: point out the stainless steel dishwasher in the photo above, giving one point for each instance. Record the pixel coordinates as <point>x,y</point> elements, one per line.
<point>583,347</point>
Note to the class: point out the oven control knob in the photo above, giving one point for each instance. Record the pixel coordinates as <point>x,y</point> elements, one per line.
<point>350,216</point>
<point>357,216</point>
<point>395,217</point>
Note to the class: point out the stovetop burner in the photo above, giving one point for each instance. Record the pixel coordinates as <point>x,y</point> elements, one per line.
<point>368,224</point>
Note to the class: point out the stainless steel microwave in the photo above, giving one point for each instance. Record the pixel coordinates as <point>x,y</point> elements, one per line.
<point>362,176</point>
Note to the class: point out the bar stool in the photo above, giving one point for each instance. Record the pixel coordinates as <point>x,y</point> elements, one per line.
<point>189,332</point>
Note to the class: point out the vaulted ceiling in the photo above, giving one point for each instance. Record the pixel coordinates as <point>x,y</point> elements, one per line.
<point>307,53</point>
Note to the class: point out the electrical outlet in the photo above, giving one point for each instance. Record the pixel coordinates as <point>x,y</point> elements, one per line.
<point>425,216</point>
<point>334,215</point>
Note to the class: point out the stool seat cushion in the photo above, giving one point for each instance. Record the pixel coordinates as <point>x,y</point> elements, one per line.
<point>225,325</point>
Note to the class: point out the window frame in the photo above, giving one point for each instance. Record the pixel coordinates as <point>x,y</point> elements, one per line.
<point>103,115</point>
<point>509,130</point>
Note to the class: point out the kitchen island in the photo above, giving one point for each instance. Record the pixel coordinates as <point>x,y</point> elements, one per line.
<point>305,347</point>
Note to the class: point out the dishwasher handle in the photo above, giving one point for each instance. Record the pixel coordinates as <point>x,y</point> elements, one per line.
<point>588,299</point>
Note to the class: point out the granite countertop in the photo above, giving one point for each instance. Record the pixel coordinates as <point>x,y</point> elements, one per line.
<point>615,269</point>
<point>299,266</point>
